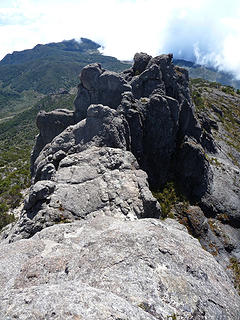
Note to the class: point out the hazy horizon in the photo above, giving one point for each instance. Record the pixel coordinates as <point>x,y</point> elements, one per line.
<point>206,32</point>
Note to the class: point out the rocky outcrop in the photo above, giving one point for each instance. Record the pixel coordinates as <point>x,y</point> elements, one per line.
<point>149,113</point>
<point>50,124</point>
<point>193,170</point>
<point>153,98</point>
<point>94,164</point>
<point>102,127</point>
<point>98,86</point>
<point>98,181</point>
<point>105,268</point>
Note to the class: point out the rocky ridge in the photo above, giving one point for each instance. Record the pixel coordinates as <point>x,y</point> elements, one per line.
<point>95,164</point>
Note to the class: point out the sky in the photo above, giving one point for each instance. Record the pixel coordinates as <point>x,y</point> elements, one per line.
<point>204,31</point>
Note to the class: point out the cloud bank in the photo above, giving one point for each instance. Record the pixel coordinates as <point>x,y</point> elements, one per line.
<point>206,31</point>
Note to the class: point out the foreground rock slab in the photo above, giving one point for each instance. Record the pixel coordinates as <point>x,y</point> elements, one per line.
<point>105,268</point>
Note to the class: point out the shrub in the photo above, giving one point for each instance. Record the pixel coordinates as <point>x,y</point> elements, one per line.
<point>228,90</point>
<point>5,218</point>
<point>198,99</point>
<point>168,197</point>
<point>235,266</point>
<point>214,84</point>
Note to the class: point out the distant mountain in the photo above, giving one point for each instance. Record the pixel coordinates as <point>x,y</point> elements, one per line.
<point>49,50</point>
<point>46,68</point>
<point>26,76</point>
<point>208,73</point>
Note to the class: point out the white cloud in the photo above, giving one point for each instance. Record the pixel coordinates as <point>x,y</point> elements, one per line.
<point>124,27</point>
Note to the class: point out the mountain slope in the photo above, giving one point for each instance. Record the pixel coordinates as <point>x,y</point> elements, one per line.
<point>27,75</point>
<point>208,73</point>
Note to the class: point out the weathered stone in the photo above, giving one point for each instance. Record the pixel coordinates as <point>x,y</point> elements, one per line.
<point>104,268</point>
<point>98,87</point>
<point>102,127</point>
<point>102,181</point>
<point>50,124</point>
<point>193,170</point>
<point>147,118</point>
<point>89,76</point>
<point>169,123</point>
<point>39,191</point>
<point>140,62</point>
<point>224,195</point>
<point>144,84</point>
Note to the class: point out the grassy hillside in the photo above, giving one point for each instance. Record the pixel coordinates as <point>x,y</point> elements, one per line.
<point>221,104</point>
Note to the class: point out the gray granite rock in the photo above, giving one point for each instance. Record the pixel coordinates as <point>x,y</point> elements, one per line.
<point>193,170</point>
<point>224,195</point>
<point>153,125</point>
<point>50,124</point>
<point>140,62</point>
<point>98,86</point>
<point>161,116</point>
<point>104,268</point>
<point>102,181</point>
<point>102,127</point>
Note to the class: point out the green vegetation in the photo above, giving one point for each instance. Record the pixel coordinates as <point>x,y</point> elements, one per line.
<point>213,160</point>
<point>148,308</point>
<point>208,98</point>
<point>47,68</point>
<point>172,317</point>
<point>62,219</point>
<point>235,267</point>
<point>12,102</point>
<point>4,217</point>
<point>228,90</point>
<point>213,249</point>
<point>214,84</point>
<point>198,100</point>
<point>230,120</point>
<point>16,142</point>
<point>145,306</point>
<point>231,125</point>
<point>168,197</point>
